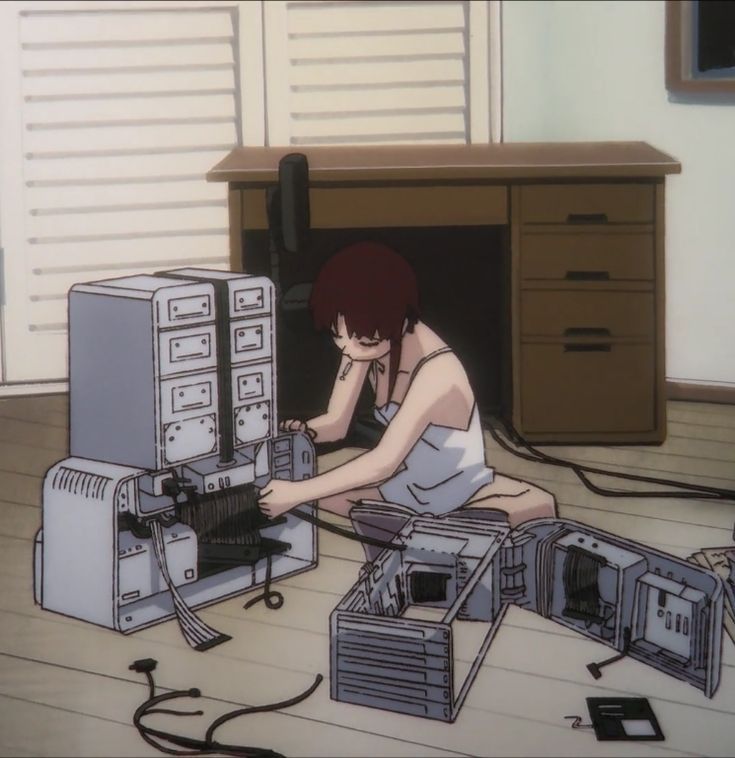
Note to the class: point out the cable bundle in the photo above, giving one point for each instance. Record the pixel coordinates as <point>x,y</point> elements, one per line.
<point>190,745</point>
<point>581,584</point>
<point>229,517</point>
<point>198,634</point>
<point>696,491</point>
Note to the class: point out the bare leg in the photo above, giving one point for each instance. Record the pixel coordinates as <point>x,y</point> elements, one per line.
<point>522,501</point>
<point>342,504</point>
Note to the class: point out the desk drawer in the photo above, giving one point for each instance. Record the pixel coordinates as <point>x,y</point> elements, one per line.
<point>605,390</point>
<point>588,315</point>
<point>587,204</point>
<point>587,257</point>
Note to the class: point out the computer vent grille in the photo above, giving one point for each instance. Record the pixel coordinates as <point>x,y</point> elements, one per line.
<point>82,483</point>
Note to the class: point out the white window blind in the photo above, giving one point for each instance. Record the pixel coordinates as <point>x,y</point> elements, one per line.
<point>377,72</point>
<point>122,111</point>
<point>111,114</point>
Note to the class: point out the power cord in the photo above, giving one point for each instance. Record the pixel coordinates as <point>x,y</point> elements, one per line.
<point>329,527</point>
<point>696,491</point>
<point>192,746</point>
<point>272,598</point>
<point>594,668</point>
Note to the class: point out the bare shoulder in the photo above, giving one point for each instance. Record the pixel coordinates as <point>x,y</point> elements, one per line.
<point>444,369</point>
<point>442,387</point>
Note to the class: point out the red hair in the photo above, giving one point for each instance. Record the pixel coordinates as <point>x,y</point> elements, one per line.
<point>374,289</point>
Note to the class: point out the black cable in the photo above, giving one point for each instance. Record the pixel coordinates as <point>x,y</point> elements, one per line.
<point>272,598</point>
<point>207,746</point>
<point>328,526</point>
<point>697,491</point>
<point>262,708</point>
<point>716,492</point>
<point>594,668</point>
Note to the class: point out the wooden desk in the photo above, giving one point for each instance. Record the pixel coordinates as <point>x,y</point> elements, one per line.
<point>586,246</point>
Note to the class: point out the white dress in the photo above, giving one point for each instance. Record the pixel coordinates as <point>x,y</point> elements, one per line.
<point>445,467</point>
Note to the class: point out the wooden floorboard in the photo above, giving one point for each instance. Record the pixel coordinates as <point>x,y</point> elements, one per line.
<point>65,687</point>
<point>40,436</point>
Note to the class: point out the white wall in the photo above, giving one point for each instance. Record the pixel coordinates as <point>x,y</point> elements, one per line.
<point>576,71</point>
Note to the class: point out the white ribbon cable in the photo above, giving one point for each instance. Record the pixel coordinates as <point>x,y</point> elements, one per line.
<point>198,634</point>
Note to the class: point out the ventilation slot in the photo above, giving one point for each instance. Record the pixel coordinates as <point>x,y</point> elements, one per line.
<point>92,486</point>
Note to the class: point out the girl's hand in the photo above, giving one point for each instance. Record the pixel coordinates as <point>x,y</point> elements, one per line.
<point>279,496</point>
<point>296,425</point>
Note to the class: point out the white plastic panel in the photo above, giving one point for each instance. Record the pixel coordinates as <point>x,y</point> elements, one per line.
<point>190,349</point>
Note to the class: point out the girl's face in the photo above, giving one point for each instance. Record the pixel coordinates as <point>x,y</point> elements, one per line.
<point>358,348</point>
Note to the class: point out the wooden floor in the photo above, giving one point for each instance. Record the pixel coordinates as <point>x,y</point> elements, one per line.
<point>65,687</point>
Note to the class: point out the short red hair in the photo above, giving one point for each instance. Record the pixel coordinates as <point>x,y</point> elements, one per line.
<point>374,288</point>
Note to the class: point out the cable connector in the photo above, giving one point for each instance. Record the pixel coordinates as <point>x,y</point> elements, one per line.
<point>143,665</point>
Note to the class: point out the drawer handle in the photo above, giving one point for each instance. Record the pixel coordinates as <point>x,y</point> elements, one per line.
<point>600,347</point>
<point>588,276</point>
<point>587,218</point>
<point>589,331</point>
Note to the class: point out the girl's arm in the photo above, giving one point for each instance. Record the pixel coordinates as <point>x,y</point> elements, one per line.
<point>333,424</point>
<point>432,386</point>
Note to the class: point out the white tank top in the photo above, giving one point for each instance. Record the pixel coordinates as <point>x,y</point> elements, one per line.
<point>445,467</point>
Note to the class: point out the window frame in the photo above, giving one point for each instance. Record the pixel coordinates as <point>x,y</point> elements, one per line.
<point>680,70</point>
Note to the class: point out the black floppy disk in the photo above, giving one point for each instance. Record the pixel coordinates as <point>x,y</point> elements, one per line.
<point>623,718</point>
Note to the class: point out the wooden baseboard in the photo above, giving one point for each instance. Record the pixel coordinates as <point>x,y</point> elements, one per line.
<point>23,389</point>
<point>700,393</point>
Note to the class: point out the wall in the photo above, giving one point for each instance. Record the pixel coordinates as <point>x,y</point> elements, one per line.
<point>577,71</point>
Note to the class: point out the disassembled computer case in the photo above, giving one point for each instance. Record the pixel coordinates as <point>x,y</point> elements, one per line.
<point>172,428</point>
<point>395,636</point>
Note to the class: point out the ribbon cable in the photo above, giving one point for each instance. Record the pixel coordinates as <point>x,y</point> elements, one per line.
<point>199,635</point>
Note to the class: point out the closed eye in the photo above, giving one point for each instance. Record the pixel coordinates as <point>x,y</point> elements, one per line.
<point>369,343</point>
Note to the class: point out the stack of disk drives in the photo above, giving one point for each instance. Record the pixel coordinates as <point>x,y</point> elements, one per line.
<point>172,425</point>
<point>412,633</point>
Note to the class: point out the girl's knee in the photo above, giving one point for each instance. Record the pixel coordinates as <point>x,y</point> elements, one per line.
<point>338,504</point>
<point>535,503</point>
<point>546,505</point>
